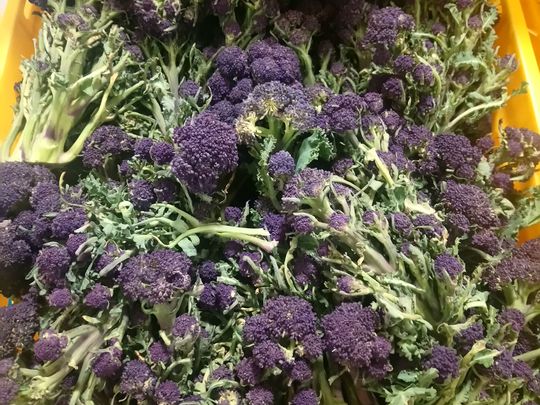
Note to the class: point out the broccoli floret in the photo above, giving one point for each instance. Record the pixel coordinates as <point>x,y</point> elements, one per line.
<point>167,393</point>
<point>98,297</point>
<point>159,353</point>
<point>53,264</point>
<point>260,396</point>
<point>232,63</point>
<point>137,380</point>
<point>273,62</point>
<point>445,360</point>
<point>106,142</point>
<point>141,194</point>
<point>108,363</point>
<point>60,298</point>
<point>161,153</point>
<point>342,112</point>
<point>50,345</point>
<point>465,339</point>
<point>307,396</point>
<point>386,25</point>
<point>16,257</point>
<point>217,297</point>
<point>18,324</point>
<point>8,390</point>
<point>67,222</point>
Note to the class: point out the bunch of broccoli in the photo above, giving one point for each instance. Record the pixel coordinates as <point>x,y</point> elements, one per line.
<point>267,202</point>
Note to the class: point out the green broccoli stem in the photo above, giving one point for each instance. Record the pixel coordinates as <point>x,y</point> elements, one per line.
<point>303,55</point>
<point>327,396</point>
<point>165,313</point>
<point>529,356</point>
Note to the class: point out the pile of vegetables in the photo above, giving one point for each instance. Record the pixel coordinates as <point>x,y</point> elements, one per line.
<point>267,202</point>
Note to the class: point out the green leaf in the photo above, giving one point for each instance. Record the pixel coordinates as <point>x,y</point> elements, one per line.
<point>316,146</point>
<point>188,246</point>
<point>485,358</point>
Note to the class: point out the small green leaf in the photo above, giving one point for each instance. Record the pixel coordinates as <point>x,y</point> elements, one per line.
<point>316,146</point>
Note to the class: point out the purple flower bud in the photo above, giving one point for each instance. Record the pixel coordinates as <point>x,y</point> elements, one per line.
<point>50,346</point>
<point>60,298</point>
<point>338,221</point>
<point>107,364</point>
<point>142,148</point>
<point>260,396</point>
<point>445,361</point>
<point>446,263</point>
<point>98,297</point>
<point>137,380</point>
<point>512,317</point>
<point>159,353</point>
<point>302,224</point>
<point>167,393</point>
<point>161,153</point>
<point>281,164</point>
<point>8,390</point>
<point>248,372</point>
<point>233,215</point>
<point>75,241</point>
<point>307,396</point>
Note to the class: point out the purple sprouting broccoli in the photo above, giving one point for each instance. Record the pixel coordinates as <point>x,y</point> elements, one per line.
<point>519,153</point>
<point>338,221</point>
<point>305,270</point>
<point>446,263</point>
<point>223,111</point>
<point>74,242</point>
<point>273,62</point>
<point>166,190</point>
<point>281,164</point>
<point>260,396</point>
<point>455,154</point>
<point>219,87</point>
<point>350,285</point>
<point>141,194</point>
<point>341,112</point>
<point>16,182</point>
<point>457,224</point>
<point>300,371</point>
<point>137,380</point>
<point>248,372</point>
<point>470,201</point>
<point>207,152</point>
<point>233,215</point>
<point>268,355</point>
<point>374,102</point>
<point>189,89</point>
<point>402,224</point>
<point>60,298</point>
<point>302,224</point>
<point>8,390</point>
<point>98,297</point>
<point>404,64</point>
<point>161,153</point>
<point>106,142</point>
<point>240,91</point>
<point>503,366</point>
<point>385,26</point>
<point>350,336</point>
<point>159,353</point>
<point>232,63</point>
<point>426,104</point>
<point>370,217</point>
<point>486,241</point>
<point>275,224</point>
<point>297,28</point>
<point>109,254</point>
<point>142,147</point>
<point>245,266</point>
<point>155,277</point>
<point>167,393</point>
<point>445,360</point>
<point>502,181</point>
<point>307,396</point>
<point>222,373</point>
<point>485,143</point>
<point>185,332</point>
<point>217,297</point>
<point>207,271</point>
<point>512,317</point>
<point>413,139</point>
<point>53,264</point>
<point>305,186</point>
<point>423,75</point>
<point>221,7</point>
<point>45,198</point>
<point>108,363</point>
<point>393,89</point>
<point>16,258</point>
<point>67,222</point>
<point>342,166</point>
<point>465,339</point>
<point>429,225</point>
<point>50,346</point>
<point>19,324</point>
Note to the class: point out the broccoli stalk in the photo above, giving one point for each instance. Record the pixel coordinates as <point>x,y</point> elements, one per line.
<point>80,70</point>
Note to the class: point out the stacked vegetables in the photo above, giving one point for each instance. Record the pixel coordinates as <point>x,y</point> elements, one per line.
<point>267,202</point>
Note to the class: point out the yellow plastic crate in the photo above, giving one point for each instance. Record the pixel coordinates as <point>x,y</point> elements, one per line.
<point>518,30</point>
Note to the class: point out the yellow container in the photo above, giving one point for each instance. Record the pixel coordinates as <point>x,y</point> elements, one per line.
<point>518,30</point>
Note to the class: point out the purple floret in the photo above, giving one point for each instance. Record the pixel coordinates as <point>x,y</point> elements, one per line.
<point>107,364</point>
<point>423,75</point>
<point>342,112</point>
<point>446,263</point>
<point>158,352</point>
<point>217,297</point>
<point>385,25</point>
<point>260,396</point>
<point>413,138</point>
<point>276,225</point>
<point>186,327</point>
<point>6,366</point>
<point>208,272</point>
<point>15,261</point>
<point>142,148</point>
<point>350,335</point>
<point>306,397</point>
<point>503,366</point>
<point>273,62</point>
<point>502,181</point>
<point>232,63</point>
<point>486,241</point>
<point>19,323</point>
<point>304,270</point>
<point>223,111</point>
<point>233,215</point>
<point>8,390</point>
<point>155,277</point>
<point>512,317</point>
<point>302,224</point>
<point>240,91</point>
<point>45,198</point>
<point>98,297</point>
<point>290,316</point>
<point>281,164</point>
<point>342,166</point>
<point>166,190</point>
<point>309,183</point>
<point>219,87</point>
<point>50,346</point>
<point>300,371</point>
<point>106,142</point>
<point>268,355</point>
<point>445,361</point>
<point>470,201</point>
<point>338,221</point>
<point>167,393</point>
<point>248,372</point>
<point>456,154</point>
<point>161,153</point>
<point>189,88</point>
<point>67,222</point>
<point>374,102</point>
<point>404,64</point>
<point>74,242</point>
<point>402,224</point>
<point>60,298</point>
<point>393,89</point>
<point>137,380</point>
<point>141,194</point>
<point>465,339</point>
<point>207,152</point>
<point>53,264</point>
<point>429,225</point>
